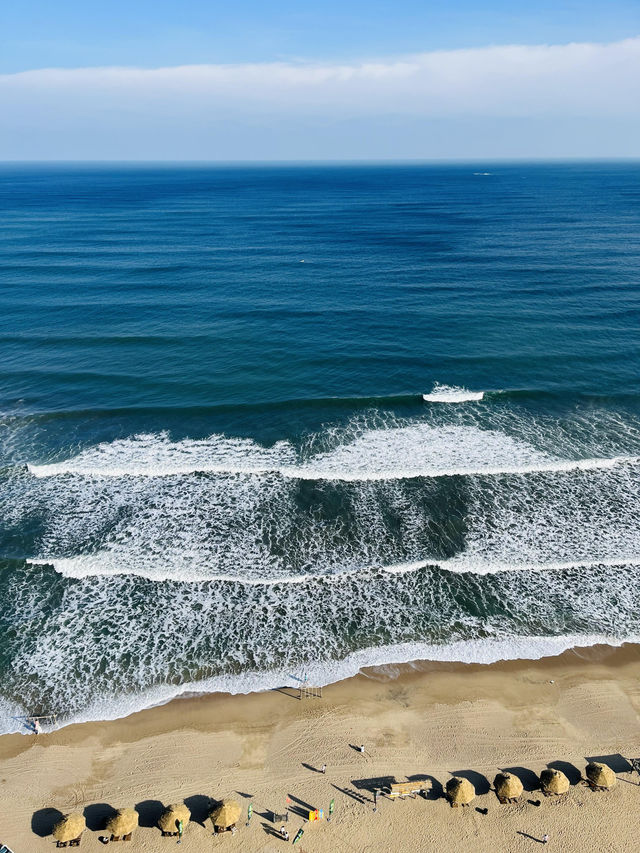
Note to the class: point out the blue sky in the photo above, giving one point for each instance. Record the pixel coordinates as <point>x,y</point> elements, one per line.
<point>288,79</point>
<point>72,33</point>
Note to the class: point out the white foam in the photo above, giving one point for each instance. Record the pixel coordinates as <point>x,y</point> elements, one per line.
<point>452,394</point>
<point>103,565</point>
<point>155,455</point>
<point>416,450</point>
<point>481,651</point>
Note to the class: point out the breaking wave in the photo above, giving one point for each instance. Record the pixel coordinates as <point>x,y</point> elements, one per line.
<point>417,450</point>
<point>452,394</point>
<point>471,533</point>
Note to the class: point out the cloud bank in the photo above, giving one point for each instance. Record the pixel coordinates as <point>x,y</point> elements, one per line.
<point>294,109</point>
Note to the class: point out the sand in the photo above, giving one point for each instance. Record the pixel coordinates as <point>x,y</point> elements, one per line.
<point>426,722</point>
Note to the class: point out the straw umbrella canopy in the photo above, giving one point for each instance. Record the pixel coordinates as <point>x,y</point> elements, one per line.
<point>460,792</point>
<point>172,815</point>
<point>553,781</point>
<point>508,786</point>
<point>600,775</point>
<point>123,822</point>
<point>227,814</point>
<point>69,828</point>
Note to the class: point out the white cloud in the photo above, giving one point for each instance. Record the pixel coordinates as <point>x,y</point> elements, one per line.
<point>513,82</point>
<point>508,80</point>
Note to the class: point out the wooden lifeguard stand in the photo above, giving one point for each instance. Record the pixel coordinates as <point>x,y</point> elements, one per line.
<point>308,692</point>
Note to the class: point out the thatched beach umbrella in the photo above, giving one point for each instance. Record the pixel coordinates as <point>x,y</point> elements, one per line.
<point>460,792</point>
<point>508,787</point>
<point>68,828</point>
<point>122,823</point>
<point>172,815</point>
<point>600,776</point>
<point>553,782</point>
<point>226,815</point>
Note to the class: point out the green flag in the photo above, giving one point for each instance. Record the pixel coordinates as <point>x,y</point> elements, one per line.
<point>332,806</point>
<point>299,835</point>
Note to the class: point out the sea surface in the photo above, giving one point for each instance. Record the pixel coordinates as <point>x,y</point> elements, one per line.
<point>270,423</point>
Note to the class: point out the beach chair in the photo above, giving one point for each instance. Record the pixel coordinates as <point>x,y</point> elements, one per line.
<point>635,765</point>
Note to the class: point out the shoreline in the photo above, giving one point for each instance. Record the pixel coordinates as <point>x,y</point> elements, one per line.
<point>426,718</point>
<point>399,658</point>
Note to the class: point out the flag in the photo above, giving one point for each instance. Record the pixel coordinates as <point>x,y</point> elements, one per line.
<point>299,835</point>
<point>332,806</point>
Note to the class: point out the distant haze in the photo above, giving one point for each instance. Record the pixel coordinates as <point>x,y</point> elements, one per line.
<point>528,101</point>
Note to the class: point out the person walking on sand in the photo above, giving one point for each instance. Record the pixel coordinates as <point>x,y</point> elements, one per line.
<point>545,838</point>
<point>362,749</point>
<point>323,769</point>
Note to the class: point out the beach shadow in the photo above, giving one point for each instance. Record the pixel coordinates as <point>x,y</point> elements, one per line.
<point>435,791</point>
<point>478,780</point>
<point>374,783</point>
<point>531,837</point>
<point>570,770</point>
<point>618,763</point>
<point>353,794</point>
<point>200,807</point>
<point>242,794</point>
<point>530,781</point>
<point>271,831</point>
<point>291,692</point>
<point>43,821</point>
<point>149,812</point>
<point>97,814</point>
<point>483,811</point>
<point>301,809</point>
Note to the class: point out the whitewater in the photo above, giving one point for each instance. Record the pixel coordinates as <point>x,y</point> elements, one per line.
<point>221,469</point>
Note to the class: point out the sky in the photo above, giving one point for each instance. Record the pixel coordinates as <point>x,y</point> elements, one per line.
<point>295,80</point>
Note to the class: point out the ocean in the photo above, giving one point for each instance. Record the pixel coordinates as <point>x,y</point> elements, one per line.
<point>263,424</point>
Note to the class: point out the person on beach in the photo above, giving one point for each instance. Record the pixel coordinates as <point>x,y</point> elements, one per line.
<point>37,729</point>
<point>323,769</point>
<point>545,838</point>
<point>362,749</point>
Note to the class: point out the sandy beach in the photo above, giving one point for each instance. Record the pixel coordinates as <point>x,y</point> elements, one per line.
<point>422,721</point>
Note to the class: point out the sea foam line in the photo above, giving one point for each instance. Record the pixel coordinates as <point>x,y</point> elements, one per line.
<point>310,472</point>
<point>479,651</point>
<point>94,566</point>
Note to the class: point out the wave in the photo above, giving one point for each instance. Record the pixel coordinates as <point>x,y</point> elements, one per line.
<point>452,394</point>
<point>104,565</point>
<point>403,452</point>
<point>365,661</point>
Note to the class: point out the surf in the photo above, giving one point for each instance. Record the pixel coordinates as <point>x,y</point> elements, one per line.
<point>452,394</point>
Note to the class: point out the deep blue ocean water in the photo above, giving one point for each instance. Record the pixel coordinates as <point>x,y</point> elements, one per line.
<point>218,470</point>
